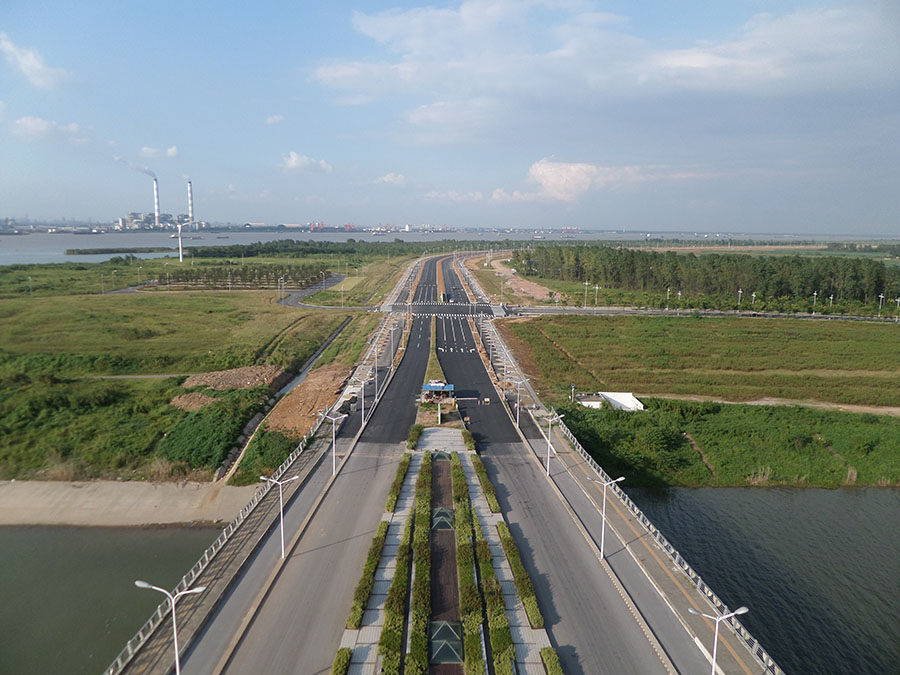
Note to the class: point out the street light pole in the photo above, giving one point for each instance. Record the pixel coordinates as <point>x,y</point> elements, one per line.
<point>280,483</point>
<point>172,599</point>
<point>362,391</point>
<point>717,619</point>
<point>603,530</point>
<point>334,419</point>
<point>550,420</point>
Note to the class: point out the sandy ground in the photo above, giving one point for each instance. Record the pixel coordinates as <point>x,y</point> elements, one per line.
<point>521,287</point>
<point>236,378</point>
<point>296,413</point>
<point>115,503</point>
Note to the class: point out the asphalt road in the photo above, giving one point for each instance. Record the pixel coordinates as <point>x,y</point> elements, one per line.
<point>299,626</point>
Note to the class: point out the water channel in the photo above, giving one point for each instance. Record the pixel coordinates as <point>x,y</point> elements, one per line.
<point>69,603</point>
<point>819,569</point>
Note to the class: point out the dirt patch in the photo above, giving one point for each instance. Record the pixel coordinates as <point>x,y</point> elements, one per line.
<point>237,378</point>
<point>192,401</point>
<point>296,413</point>
<point>700,452</point>
<point>519,285</point>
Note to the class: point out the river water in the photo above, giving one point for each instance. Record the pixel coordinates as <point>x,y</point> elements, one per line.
<point>819,569</point>
<point>69,603</point>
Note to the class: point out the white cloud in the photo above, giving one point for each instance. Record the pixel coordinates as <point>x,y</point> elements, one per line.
<point>36,129</point>
<point>454,196</point>
<point>30,64</point>
<point>392,179</point>
<point>567,181</point>
<point>170,153</point>
<point>483,64</point>
<point>274,119</point>
<point>294,161</point>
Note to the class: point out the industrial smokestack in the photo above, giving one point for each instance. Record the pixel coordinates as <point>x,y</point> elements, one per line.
<point>190,205</point>
<point>156,202</point>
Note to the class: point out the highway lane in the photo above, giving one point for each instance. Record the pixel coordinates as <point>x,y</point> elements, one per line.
<point>585,618</point>
<point>299,627</point>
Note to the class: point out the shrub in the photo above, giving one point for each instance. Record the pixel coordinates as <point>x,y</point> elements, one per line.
<point>341,661</point>
<point>264,455</point>
<point>486,486</point>
<point>524,587</point>
<point>367,580</point>
<point>397,485</point>
<point>468,439</point>
<point>498,623</point>
<point>415,431</point>
<point>550,659</point>
<point>417,659</point>
<point>390,645</point>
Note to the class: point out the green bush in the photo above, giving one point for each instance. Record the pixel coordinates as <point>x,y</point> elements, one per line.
<point>486,486</point>
<point>397,485</point>
<point>415,431</point>
<point>341,661</point>
<point>469,440</point>
<point>390,645</point>
<point>417,659</point>
<point>203,437</point>
<point>502,646</point>
<point>550,659</point>
<point>367,580</point>
<point>524,587</point>
<point>266,452</point>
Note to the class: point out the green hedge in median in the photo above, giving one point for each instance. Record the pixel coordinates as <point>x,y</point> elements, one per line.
<point>417,658</point>
<point>415,431</point>
<point>367,580</point>
<point>499,631</point>
<point>550,659</point>
<point>390,645</point>
<point>470,609</point>
<point>486,486</point>
<point>394,494</point>
<point>468,439</point>
<point>341,661</point>
<point>524,586</point>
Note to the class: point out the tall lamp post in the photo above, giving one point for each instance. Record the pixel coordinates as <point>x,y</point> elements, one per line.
<point>334,419</point>
<point>280,484</point>
<point>603,530</point>
<point>717,619</point>
<point>554,417</point>
<point>362,391</point>
<point>172,599</point>
<point>518,384</point>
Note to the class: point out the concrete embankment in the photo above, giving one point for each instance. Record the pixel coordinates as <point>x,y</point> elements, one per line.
<point>115,503</point>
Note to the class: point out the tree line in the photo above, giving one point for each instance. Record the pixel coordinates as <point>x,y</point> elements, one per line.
<point>847,279</point>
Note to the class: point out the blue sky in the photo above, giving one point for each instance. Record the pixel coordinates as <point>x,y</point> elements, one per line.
<point>743,115</point>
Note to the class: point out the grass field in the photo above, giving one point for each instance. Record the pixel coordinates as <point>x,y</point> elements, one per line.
<point>730,358</point>
<point>347,348</point>
<point>373,282</point>
<point>156,333</point>
<point>57,421</point>
<point>694,444</point>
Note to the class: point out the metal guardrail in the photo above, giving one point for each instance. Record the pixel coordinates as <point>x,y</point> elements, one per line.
<point>162,610</point>
<point>752,643</point>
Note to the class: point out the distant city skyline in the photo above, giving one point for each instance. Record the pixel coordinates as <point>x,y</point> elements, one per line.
<point>755,117</point>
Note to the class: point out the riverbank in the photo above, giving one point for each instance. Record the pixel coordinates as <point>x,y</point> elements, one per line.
<point>119,503</point>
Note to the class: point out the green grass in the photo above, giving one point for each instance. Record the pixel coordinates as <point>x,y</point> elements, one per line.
<point>156,333</point>
<point>434,370</point>
<point>375,280</point>
<point>732,358</point>
<point>347,348</point>
<point>55,428</point>
<point>266,452</point>
<point>744,445</point>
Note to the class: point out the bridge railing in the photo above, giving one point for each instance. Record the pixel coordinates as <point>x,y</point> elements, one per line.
<point>752,643</point>
<point>137,641</point>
